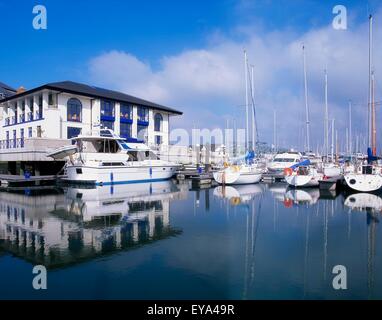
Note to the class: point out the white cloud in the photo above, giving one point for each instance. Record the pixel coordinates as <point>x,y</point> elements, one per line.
<point>208,85</point>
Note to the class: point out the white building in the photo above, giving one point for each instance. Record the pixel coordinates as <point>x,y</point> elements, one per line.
<point>36,121</point>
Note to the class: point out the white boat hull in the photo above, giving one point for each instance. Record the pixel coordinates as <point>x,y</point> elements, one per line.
<point>332,171</point>
<point>229,176</point>
<point>115,175</point>
<point>364,182</point>
<point>303,181</point>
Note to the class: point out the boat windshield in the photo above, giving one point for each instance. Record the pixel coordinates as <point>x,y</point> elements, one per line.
<point>98,146</point>
<point>142,155</point>
<point>285,160</point>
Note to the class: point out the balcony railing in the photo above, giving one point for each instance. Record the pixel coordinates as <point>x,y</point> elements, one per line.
<point>22,118</point>
<point>13,120</point>
<point>7,121</point>
<point>12,143</point>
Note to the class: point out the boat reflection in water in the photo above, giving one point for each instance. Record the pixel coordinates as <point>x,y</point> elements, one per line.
<point>364,202</point>
<point>301,196</point>
<point>278,190</point>
<point>238,194</point>
<point>80,224</point>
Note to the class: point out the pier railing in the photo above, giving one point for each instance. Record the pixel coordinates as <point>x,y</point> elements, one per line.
<point>29,149</point>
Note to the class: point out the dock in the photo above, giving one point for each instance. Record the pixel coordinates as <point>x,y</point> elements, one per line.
<point>9,180</point>
<point>331,184</point>
<point>273,177</point>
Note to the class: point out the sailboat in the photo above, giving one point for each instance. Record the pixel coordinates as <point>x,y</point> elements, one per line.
<point>368,177</point>
<point>244,170</point>
<point>330,168</point>
<point>303,174</point>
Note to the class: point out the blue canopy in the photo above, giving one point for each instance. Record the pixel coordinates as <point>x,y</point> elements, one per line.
<point>304,163</point>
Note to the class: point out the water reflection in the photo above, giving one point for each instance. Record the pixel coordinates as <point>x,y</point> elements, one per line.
<point>364,202</point>
<point>239,194</point>
<point>299,196</point>
<point>80,224</point>
<point>260,241</point>
<point>372,205</point>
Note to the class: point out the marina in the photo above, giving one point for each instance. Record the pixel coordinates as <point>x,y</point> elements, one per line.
<point>261,241</point>
<point>191,151</point>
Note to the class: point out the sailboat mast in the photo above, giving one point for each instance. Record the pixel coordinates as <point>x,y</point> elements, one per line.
<point>370,81</point>
<point>246,100</point>
<point>306,103</point>
<point>336,146</point>
<point>332,147</point>
<point>373,123</point>
<point>253,108</point>
<point>274,131</point>
<point>350,131</point>
<point>326,116</point>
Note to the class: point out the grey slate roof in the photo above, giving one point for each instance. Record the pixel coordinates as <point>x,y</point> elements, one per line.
<point>6,90</point>
<point>96,92</point>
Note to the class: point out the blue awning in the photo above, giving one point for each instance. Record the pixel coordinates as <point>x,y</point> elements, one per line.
<point>304,163</point>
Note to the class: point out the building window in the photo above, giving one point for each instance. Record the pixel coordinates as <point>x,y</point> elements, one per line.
<point>22,138</point>
<point>39,111</point>
<point>39,132</point>
<point>107,108</point>
<point>7,135</point>
<point>51,99</point>
<point>14,139</point>
<point>158,119</point>
<point>158,140</point>
<point>142,133</point>
<point>105,124</point>
<point>125,130</point>
<point>126,111</point>
<point>73,132</point>
<point>30,132</point>
<point>74,110</point>
<point>14,118</point>
<point>143,114</point>
<point>31,107</point>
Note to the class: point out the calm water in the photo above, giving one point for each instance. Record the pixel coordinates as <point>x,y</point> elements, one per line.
<point>167,241</point>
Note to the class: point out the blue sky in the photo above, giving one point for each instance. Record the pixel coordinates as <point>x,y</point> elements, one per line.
<point>79,30</point>
<point>153,41</point>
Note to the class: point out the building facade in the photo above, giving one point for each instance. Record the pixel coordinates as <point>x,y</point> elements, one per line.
<point>35,121</point>
<point>65,109</point>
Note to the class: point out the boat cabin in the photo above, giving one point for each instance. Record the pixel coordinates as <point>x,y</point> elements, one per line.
<point>110,143</point>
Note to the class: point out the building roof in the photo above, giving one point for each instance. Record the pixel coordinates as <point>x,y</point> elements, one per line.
<point>6,90</point>
<point>95,92</point>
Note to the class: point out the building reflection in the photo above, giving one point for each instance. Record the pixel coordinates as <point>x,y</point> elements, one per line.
<point>80,224</point>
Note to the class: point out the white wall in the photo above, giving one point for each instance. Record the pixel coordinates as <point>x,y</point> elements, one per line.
<point>55,123</point>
